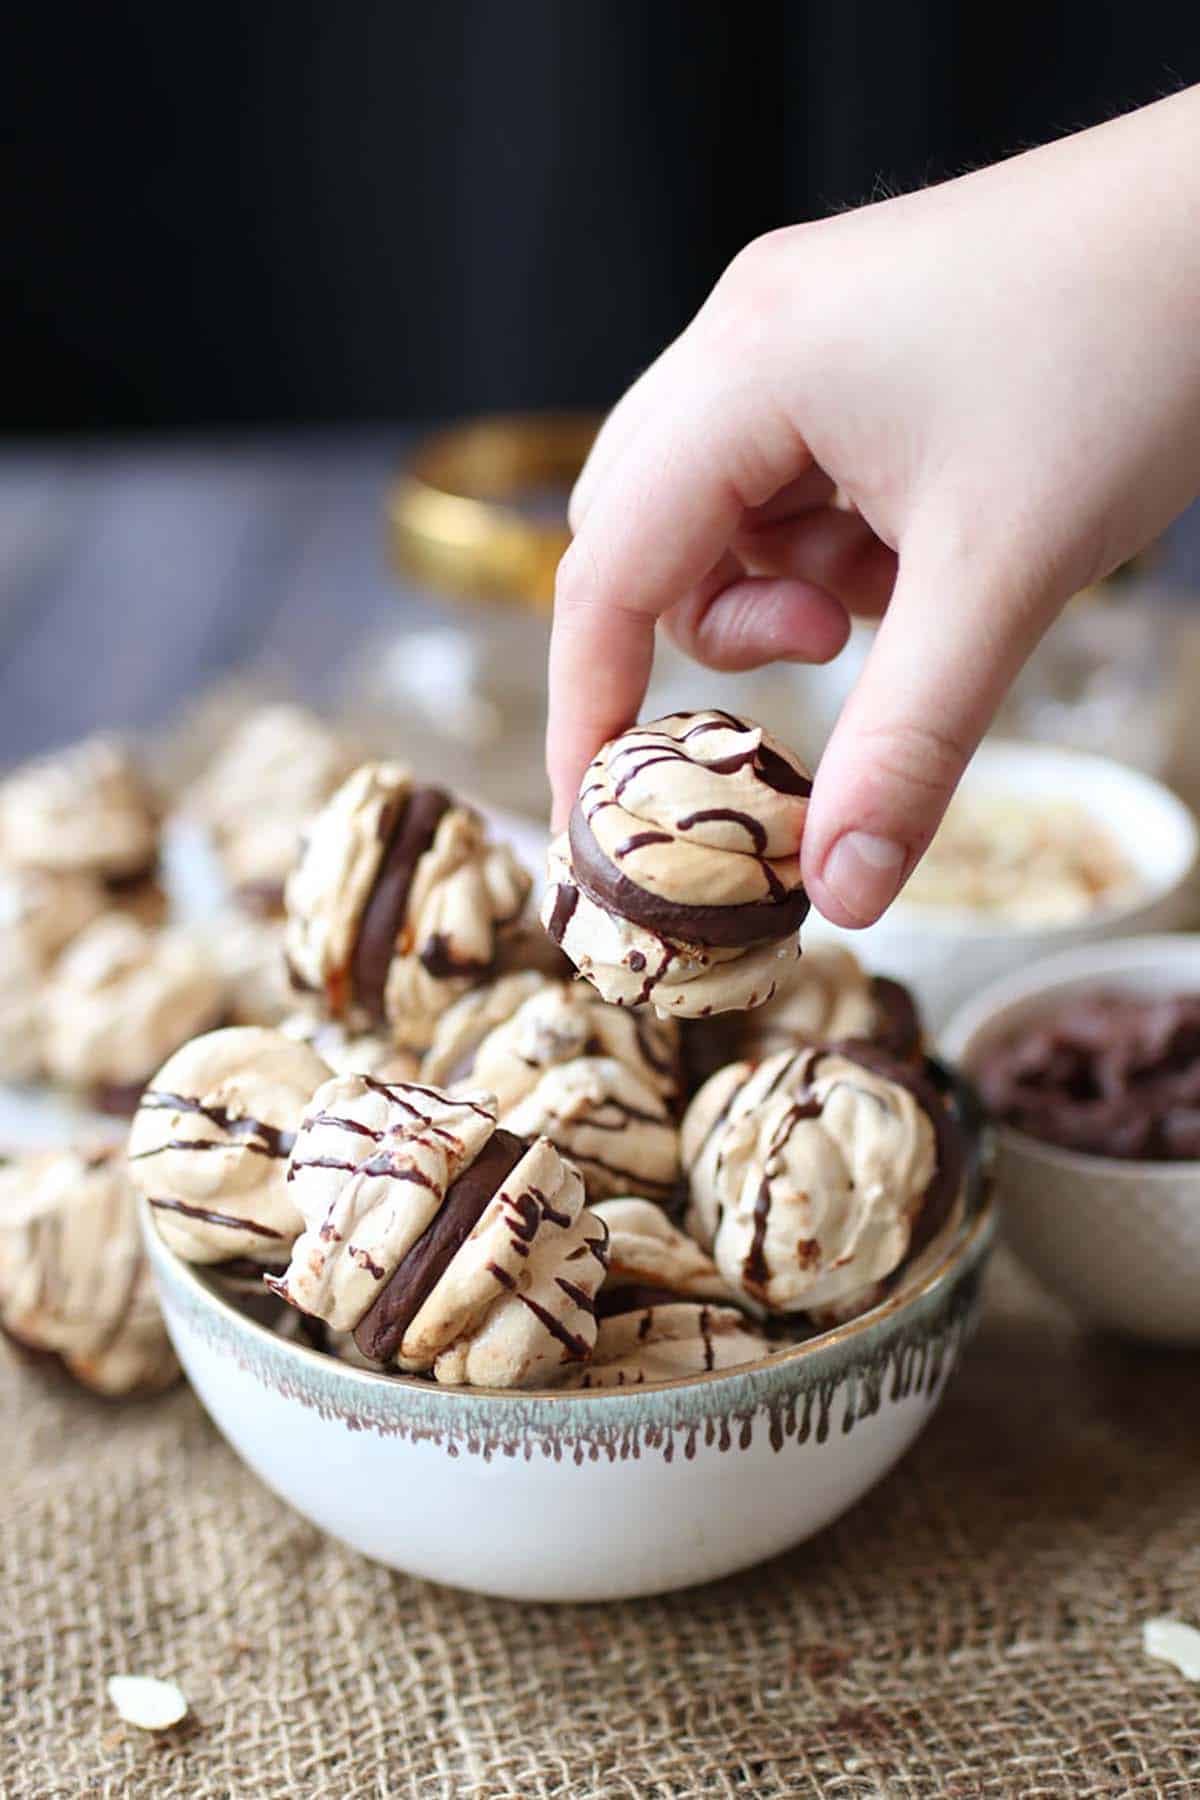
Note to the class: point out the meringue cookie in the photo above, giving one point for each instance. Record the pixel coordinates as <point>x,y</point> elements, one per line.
<point>504,1035</point>
<point>398,903</point>
<point>351,1053</point>
<point>664,1309</point>
<point>647,1254</point>
<point>257,797</point>
<point>666,1341</point>
<point>826,997</point>
<point>85,810</point>
<point>248,955</point>
<point>122,998</point>
<point>39,914</point>
<point>618,1132</point>
<point>808,1172</point>
<point>445,1245</point>
<point>74,1281</point>
<point>210,1141</point>
<point>677,882</point>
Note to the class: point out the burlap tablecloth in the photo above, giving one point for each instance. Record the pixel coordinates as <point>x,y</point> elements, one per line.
<point>972,1628</point>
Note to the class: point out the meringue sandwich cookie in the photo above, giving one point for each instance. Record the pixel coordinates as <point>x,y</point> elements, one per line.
<point>398,904</point>
<point>446,1245</point>
<point>349,1052</point>
<point>826,997</point>
<point>677,882</point>
<point>86,811</point>
<point>664,1310</point>
<point>503,1037</point>
<point>616,1130</point>
<point>74,1281</point>
<point>120,999</point>
<point>814,1173</point>
<point>210,1141</point>
<point>39,914</point>
<point>257,796</point>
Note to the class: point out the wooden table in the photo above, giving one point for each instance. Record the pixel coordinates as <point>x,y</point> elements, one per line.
<point>135,574</point>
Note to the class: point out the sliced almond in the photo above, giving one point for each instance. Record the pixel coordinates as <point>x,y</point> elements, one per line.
<point>1170,1640</point>
<point>149,1704</point>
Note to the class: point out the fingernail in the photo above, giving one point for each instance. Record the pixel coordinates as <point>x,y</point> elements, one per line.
<point>863,872</point>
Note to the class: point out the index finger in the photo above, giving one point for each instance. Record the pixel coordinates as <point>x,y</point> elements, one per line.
<point>658,526</point>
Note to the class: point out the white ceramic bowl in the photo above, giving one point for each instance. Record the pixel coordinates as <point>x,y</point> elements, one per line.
<point>544,1496</point>
<point>1119,1241</point>
<point>946,954</point>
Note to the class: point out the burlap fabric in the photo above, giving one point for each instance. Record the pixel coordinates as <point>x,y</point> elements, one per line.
<point>973,1628</point>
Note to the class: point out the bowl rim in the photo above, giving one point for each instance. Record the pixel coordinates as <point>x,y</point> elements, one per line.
<point>973,1230</point>
<point>962,922</point>
<point>1039,982</point>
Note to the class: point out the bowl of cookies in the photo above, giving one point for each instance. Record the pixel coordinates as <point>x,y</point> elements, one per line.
<point>565,1288</point>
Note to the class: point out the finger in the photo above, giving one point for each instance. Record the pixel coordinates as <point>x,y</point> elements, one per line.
<point>752,622</point>
<point>835,551</point>
<point>618,430</point>
<point>950,643</point>
<point>812,489</point>
<point>656,527</point>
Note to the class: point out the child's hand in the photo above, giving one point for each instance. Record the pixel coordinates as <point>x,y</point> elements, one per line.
<point>1001,374</point>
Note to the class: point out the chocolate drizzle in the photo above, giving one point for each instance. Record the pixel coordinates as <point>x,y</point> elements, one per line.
<point>381,1330</point>
<point>566,899</point>
<point>735,927</point>
<point>230,1220</point>
<point>409,828</point>
<point>254,1134</point>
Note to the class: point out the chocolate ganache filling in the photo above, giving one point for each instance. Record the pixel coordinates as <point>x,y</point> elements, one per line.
<point>409,833</point>
<point>382,1327</point>
<point>736,927</point>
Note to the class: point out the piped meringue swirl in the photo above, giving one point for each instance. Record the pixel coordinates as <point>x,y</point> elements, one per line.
<point>74,1281</point>
<point>210,1141</point>
<point>809,1172</point>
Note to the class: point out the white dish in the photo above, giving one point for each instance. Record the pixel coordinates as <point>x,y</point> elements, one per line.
<point>944,955</point>
<point>1118,1241</point>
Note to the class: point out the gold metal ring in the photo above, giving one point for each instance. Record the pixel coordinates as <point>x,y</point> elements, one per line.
<point>452,523</point>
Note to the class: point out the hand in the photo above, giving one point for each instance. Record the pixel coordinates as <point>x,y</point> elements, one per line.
<point>999,381</point>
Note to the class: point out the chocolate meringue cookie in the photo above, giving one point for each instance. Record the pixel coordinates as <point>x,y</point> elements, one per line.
<point>615,1129</point>
<point>502,1036</point>
<point>826,997</point>
<point>351,1053</point>
<point>210,1141</point>
<point>74,1281</point>
<point>248,955</point>
<point>809,1172</point>
<point>257,797</point>
<point>83,811</point>
<point>664,1310</point>
<point>445,1245</point>
<point>677,882</point>
<point>398,904</point>
<point>39,914</point>
<point>121,998</point>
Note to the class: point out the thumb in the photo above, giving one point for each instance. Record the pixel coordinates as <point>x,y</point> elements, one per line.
<point>956,632</point>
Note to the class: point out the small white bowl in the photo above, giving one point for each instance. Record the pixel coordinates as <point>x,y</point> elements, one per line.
<point>1118,1241</point>
<point>583,1496</point>
<point>946,954</point>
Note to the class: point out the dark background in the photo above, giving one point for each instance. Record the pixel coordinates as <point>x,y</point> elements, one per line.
<point>309,212</point>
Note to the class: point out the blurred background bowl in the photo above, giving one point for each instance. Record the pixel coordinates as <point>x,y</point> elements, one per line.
<point>947,954</point>
<point>1118,1241</point>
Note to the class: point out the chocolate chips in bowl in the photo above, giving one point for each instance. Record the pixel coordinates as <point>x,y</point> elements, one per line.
<point>1089,1065</point>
